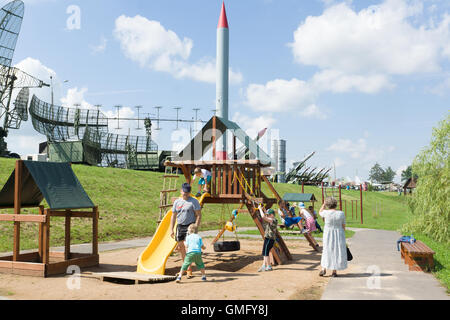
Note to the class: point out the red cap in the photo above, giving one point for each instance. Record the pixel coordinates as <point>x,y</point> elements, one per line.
<point>223,22</point>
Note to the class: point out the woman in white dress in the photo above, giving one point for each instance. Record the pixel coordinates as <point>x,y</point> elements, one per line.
<point>334,252</point>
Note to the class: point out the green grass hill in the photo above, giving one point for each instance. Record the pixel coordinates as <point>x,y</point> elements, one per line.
<point>128,203</point>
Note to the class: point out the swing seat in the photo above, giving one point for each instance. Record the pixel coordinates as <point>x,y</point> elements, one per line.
<point>225,246</point>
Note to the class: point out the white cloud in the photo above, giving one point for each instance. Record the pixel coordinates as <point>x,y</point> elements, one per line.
<point>153,46</point>
<point>279,94</point>
<point>339,82</point>
<point>313,111</point>
<point>356,51</point>
<point>38,70</point>
<point>376,40</point>
<point>360,150</point>
<point>354,148</point>
<point>26,140</point>
<point>75,97</point>
<point>147,41</point>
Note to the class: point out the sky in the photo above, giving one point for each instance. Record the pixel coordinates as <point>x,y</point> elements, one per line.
<point>358,82</point>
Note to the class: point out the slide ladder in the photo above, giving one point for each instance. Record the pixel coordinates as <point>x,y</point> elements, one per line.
<point>169,186</point>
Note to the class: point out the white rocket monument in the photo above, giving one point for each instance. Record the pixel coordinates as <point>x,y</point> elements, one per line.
<point>222,78</point>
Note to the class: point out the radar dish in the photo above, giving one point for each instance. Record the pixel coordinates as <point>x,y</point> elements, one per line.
<point>121,151</point>
<point>11,16</point>
<point>59,123</point>
<point>21,103</point>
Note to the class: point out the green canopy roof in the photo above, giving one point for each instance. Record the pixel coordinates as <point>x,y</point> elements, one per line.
<point>54,182</point>
<point>299,197</point>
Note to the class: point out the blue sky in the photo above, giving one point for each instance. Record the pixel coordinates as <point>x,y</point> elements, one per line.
<point>358,82</point>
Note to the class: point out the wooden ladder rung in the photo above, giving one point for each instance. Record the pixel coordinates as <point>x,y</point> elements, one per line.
<point>165,206</point>
<point>170,190</point>
<point>170,176</point>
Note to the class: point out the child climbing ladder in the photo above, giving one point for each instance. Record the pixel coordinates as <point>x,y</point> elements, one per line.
<point>205,180</point>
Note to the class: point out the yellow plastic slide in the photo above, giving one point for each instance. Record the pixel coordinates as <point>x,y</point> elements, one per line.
<point>153,259</point>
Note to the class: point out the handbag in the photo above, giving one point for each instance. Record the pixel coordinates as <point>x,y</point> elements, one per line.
<point>349,255</point>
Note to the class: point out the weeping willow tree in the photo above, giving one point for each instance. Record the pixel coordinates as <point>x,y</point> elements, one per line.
<point>430,202</point>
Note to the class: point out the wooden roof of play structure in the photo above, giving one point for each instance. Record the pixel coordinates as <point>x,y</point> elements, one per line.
<point>54,182</point>
<point>299,197</point>
<point>204,140</point>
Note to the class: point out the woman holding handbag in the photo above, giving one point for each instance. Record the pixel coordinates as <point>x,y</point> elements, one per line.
<point>334,252</point>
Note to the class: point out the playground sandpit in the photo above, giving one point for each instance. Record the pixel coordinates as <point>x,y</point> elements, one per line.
<point>231,275</point>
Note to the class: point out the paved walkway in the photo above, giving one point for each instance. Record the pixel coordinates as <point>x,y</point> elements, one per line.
<point>377,272</point>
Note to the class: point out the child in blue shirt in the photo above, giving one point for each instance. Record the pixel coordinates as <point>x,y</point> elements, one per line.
<point>194,246</point>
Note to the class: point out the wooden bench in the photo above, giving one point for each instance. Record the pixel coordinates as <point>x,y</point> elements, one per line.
<point>418,256</point>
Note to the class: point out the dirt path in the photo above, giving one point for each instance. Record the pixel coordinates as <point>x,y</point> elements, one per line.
<point>230,275</point>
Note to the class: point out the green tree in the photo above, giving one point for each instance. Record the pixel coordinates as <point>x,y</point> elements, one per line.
<point>376,173</point>
<point>388,175</point>
<point>430,202</point>
<point>406,174</point>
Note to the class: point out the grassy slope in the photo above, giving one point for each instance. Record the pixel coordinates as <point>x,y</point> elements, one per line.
<point>128,203</point>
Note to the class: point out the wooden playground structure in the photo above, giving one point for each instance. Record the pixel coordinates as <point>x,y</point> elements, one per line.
<point>234,181</point>
<point>24,190</point>
<point>239,182</point>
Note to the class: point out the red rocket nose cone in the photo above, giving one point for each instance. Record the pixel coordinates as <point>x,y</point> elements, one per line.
<point>223,22</point>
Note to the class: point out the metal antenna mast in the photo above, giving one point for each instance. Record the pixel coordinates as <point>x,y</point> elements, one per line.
<point>196,110</point>
<point>178,109</point>
<point>138,108</point>
<point>157,117</point>
<point>118,117</point>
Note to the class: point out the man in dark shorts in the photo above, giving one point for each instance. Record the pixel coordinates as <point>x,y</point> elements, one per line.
<point>185,211</point>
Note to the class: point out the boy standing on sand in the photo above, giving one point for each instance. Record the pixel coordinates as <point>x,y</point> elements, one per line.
<point>270,236</point>
<point>194,246</point>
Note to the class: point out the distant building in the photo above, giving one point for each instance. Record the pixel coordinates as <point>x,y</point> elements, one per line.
<point>35,157</point>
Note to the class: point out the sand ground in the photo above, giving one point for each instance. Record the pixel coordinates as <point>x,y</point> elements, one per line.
<point>231,275</point>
